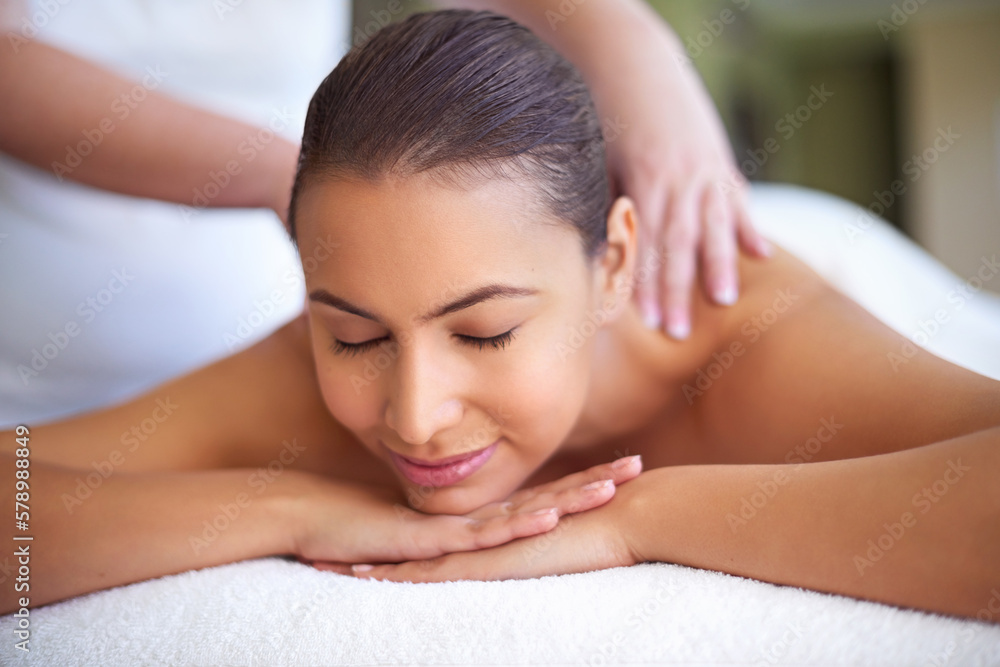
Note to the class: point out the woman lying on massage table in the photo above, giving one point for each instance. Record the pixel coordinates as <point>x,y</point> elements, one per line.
<point>470,362</point>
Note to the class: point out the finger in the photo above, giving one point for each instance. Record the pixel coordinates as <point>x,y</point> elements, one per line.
<point>444,568</point>
<point>650,204</point>
<point>577,499</point>
<point>619,471</point>
<point>443,534</point>
<point>735,190</point>
<point>719,248</point>
<point>332,566</point>
<point>681,238</point>
<point>750,239</point>
<point>580,546</point>
<point>451,567</point>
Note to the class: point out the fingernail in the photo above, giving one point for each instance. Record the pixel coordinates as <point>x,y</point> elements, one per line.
<point>726,295</point>
<point>765,248</point>
<point>547,510</point>
<point>624,462</point>
<point>361,568</point>
<point>600,484</point>
<point>650,316</point>
<point>677,324</point>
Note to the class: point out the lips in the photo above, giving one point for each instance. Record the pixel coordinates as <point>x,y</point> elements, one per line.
<point>443,472</point>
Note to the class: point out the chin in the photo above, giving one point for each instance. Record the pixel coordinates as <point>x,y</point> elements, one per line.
<point>457,499</point>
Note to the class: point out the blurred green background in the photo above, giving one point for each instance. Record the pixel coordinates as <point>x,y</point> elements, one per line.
<point>900,73</point>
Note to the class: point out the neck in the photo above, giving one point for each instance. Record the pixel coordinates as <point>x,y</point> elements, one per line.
<point>637,378</point>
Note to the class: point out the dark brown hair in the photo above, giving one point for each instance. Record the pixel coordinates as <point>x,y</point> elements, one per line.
<point>467,94</point>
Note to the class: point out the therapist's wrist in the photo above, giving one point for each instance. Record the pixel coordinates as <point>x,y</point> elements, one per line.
<point>279,176</point>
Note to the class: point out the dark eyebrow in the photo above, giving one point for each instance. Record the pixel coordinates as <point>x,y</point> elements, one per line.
<point>478,295</point>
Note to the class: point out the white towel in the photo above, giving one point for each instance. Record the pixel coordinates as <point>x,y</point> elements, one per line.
<point>278,612</point>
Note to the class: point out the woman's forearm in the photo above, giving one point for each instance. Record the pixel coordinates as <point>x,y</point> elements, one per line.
<point>917,528</point>
<point>84,123</point>
<point>90,532</point>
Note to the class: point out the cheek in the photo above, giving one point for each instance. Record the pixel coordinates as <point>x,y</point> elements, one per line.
<point>551,388</point>
<point>349,394</point>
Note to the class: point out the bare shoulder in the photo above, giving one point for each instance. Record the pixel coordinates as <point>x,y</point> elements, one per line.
<point>239,411</point>
<point>804,363</point>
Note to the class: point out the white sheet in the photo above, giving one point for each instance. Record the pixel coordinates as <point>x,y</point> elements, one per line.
<point>278,612</point>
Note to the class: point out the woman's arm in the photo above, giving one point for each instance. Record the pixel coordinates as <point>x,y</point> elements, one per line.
<point>79,531</point>
<point>917,528</point>
<point>90,534</point>
<point>161,148</point>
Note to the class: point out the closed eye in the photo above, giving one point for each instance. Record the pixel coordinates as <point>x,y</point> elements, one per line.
<point>498,342</point>
<point>351,349</point>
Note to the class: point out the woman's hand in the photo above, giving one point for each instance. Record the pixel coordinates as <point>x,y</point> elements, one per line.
<point>384,532</point>
<point>597,536</point>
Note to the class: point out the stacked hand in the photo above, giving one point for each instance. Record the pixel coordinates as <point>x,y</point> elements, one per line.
<point>520,537</point>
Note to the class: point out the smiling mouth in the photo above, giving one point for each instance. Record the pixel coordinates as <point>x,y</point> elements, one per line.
<point>442,462</point>
<point>443,472</point>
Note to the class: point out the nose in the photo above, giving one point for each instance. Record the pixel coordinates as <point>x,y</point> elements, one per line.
<point>421,401</point>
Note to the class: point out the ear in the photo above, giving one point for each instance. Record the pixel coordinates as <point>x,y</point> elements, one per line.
<point>616,266</point>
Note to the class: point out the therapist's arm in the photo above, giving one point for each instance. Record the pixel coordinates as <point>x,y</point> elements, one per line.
<point>667,148</point>
<point>157,147</point>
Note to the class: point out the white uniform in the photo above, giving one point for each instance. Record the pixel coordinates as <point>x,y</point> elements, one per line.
<point>103,296</point>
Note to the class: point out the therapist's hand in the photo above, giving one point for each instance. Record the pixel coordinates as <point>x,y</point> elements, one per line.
<point>673,159</point>
<point>667,149</point>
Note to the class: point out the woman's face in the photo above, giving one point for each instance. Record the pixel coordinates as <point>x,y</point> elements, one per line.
<point>448,322</point>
